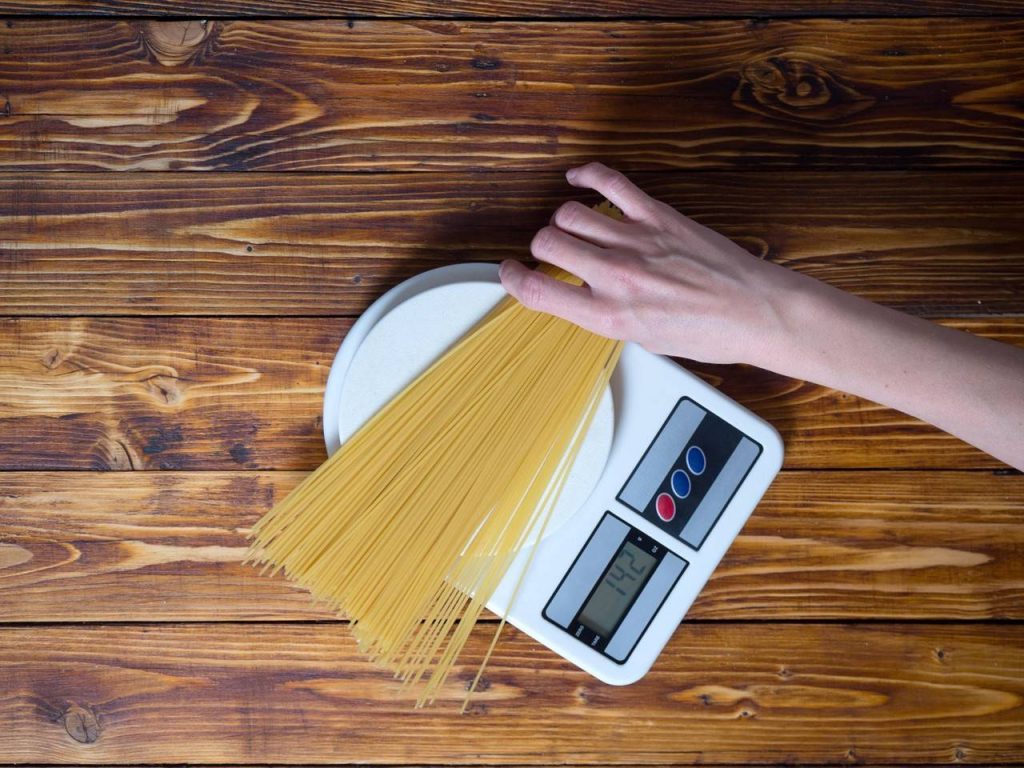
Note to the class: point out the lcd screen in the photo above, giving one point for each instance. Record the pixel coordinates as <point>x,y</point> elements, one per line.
<point>619,586</point>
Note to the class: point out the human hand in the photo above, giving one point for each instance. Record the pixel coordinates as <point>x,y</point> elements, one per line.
<point>656,277</point>
<point>678,288</point>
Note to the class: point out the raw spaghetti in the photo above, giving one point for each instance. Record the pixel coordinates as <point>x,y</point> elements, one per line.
<point>410,526</point>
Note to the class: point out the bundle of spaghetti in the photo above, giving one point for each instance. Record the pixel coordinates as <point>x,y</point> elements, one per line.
<point>408,529</point>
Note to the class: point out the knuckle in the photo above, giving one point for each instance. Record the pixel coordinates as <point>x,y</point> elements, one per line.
<point>531,290</point>
<point>622,188</point>
<point>629,278</point>
<point>611,323</point>
<point>568,214</point>
<point>617,182</point>
<point>665,211</point>
<point>664,218</point>
<point>593,173</point>
<point>543,242</point>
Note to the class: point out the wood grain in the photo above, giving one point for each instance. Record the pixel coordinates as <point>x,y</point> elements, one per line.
<point>167,546</point>
<point>765,693</point>
<point>933,243</point>
<point>164,393</point>
<point>534,9</point>
<point>229,393</point>
<point>881,155</point>
<point>387,95</point>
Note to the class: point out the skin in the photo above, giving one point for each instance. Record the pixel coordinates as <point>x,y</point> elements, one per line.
<point>678,288</point>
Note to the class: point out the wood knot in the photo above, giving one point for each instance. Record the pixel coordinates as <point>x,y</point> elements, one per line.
<point>52,358</point>
<point>790,87</point>
<point>483,684</point>
<point>116,455</point>
<point>165,389</point>
<point>81,724</point>
<point>176,42</point>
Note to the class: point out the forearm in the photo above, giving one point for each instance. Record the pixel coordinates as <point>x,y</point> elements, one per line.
<point>966,385</point>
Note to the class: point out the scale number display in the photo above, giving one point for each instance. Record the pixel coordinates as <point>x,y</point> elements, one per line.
<point>614,588</point>
<point>620,585</point>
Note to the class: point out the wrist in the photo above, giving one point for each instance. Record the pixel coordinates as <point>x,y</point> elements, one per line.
<point>795,308</point>
<point>834,338</point>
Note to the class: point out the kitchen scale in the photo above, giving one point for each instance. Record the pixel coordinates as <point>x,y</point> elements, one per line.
<point>667,475</point>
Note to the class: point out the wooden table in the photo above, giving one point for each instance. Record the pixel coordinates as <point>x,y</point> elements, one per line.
<point>193,211</point>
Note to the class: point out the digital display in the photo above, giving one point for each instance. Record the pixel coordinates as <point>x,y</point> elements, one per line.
<point>619,585</point>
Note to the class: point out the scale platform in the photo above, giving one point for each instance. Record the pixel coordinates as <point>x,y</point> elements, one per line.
<point>667,475</point>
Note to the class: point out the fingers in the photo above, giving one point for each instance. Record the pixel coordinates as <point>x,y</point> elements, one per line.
<point>587,224</point>
<point>633,201</point>
<point>544,293</point>
<point>570,253</point>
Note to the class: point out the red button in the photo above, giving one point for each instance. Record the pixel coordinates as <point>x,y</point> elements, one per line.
<point>665,506</point>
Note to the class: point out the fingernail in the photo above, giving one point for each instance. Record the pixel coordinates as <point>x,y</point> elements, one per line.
<point>571,174</point>
<point>503,269</point>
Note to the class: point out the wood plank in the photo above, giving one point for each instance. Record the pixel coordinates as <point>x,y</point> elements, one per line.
<point>220,393</point>
<point>164,393</point>
<point>292,95</point>
<point>720,693</point>
<point>933,243</point>
<point>534,9</point>
<point>167,546</point>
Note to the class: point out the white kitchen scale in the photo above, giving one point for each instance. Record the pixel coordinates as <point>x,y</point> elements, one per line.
<point>667,475</point>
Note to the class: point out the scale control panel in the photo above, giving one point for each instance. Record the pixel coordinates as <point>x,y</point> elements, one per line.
<point>689,473</point>
<point>682,484</point>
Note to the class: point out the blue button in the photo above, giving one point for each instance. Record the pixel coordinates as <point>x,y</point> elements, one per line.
<point>696,462</point>
<point>680,484</point>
